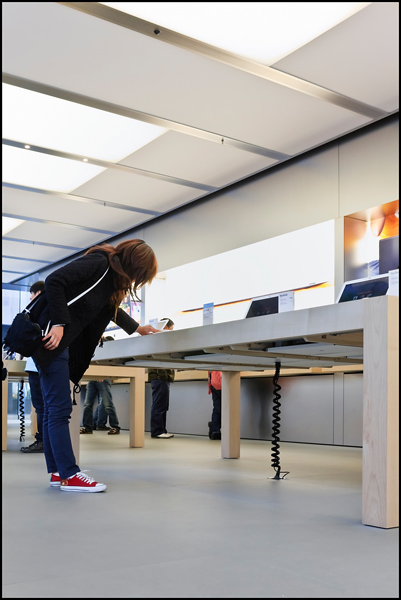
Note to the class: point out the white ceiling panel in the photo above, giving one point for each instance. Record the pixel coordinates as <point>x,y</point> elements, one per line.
<point>193,159</point>
<point>23,167</point>
<point>42,120</point>
<point>21,265</point>
<point>35,251</point>
<point>8,277</point>
<point>368,52</point>
<point>245,107</point>
<point>84,80</point>
<point>54,234</point>
<point>137,190</point>
<point>214,22</point>
<point>66,210</point>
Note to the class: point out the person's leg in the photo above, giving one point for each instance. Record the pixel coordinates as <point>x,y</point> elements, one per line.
<point>90,397</point>
<point>37,402</point>
<point>158,411</point>
<point>216,414</point>
<point>95,416</point>
<point>101,416</point>
<point>55,383</point>
<point>108,404</point>
<point>166,404</point>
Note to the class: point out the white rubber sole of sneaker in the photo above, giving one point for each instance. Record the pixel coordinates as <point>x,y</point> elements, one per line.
<point>75,488</point>
<point>54,484</point>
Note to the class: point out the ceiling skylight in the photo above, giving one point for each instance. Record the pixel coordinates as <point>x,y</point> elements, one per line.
<point>31,169</point>
<point>42,120</point>
<point>9,224</point>
<point>261,31</point>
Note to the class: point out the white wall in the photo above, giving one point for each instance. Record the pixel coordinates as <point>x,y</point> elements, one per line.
<point>287,262</point>
<point>357,172</point>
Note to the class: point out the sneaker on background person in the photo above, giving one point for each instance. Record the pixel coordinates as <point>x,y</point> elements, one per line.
<point>32,448</point>
<point>113,431</point>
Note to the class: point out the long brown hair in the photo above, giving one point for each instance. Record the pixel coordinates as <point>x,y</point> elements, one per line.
<point>135,264</point>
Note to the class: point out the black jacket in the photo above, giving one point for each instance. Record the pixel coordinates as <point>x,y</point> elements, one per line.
<point>86,319</point>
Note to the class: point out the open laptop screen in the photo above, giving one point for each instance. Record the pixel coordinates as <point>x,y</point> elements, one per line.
<point>369,287</point>
<point>263,306</point>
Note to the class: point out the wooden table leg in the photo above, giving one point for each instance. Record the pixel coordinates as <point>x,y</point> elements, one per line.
<point>380,461</point>
<point>230,414</point>
<point>137,409</point>
<point>34,421</point>
<point>4,412</point>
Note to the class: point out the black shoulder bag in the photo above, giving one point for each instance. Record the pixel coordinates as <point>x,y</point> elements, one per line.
<point>24,336</point>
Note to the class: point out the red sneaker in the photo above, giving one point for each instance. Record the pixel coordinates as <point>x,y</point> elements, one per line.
<point>55,480</point>
<point>81,483</point>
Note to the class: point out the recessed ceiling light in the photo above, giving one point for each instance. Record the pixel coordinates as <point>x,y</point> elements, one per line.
<point>27,146</point>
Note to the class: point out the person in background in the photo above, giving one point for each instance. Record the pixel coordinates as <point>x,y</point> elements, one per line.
<point>214,378</point>
<point>160,380</point>
<point>100,414</point>
<point>104,275</point>
<point>34,385</point>
<point>100,390</point>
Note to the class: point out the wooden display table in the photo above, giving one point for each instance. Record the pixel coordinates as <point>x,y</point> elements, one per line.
<point>335,335</point>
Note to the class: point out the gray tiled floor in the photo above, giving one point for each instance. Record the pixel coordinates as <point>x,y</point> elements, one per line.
<point>179,521</point>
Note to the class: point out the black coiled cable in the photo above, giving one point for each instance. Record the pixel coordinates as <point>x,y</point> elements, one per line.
<point>276,426</point>
<point>76,390</point>
<point>21,411</point>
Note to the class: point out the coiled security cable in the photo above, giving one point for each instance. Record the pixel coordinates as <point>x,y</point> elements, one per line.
<point>76,390</point>
<point>21,411</point>
<point>276,426</point>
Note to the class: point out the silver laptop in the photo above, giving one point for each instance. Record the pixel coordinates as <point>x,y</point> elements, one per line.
<point>367,287</point>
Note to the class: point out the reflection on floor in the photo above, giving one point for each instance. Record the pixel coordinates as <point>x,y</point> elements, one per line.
<point>178,521</point>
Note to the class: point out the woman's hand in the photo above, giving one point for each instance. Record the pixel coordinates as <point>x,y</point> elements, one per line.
<point>53,337</point>
<point>146,329</point>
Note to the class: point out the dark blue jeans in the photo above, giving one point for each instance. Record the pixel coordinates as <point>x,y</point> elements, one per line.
<point>55,383</point>
<point>216,414</point>
<point>37,402</point>
<point>100,390</point>
<point>160,404</point>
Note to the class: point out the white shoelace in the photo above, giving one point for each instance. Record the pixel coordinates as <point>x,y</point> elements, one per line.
<point>81,475</point>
